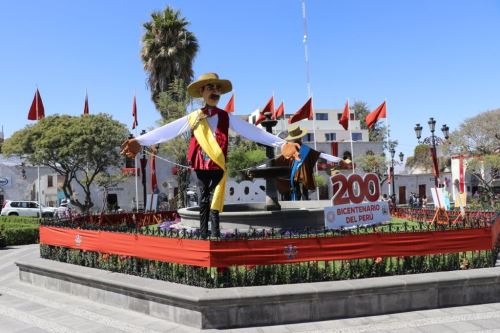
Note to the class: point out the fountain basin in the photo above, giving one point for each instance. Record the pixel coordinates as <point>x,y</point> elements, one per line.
<point>294,215</point>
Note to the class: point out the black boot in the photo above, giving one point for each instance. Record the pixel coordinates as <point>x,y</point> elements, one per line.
<point>204,216</point>
<point>214,217</point>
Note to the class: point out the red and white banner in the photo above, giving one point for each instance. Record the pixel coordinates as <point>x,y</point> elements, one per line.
<point>348,216</point>
<point>356,201</point>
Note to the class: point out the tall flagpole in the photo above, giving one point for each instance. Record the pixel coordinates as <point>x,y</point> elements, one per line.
<point>308,82</point>
<point>135,161</point>
<point>38,166</point>
<point>350,134</point>
<point>391,176</point>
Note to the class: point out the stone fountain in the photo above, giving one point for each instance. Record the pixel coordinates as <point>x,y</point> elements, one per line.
<point>289,215</point>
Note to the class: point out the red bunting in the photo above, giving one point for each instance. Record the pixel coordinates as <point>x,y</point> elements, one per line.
<point>154,182</point>
<point>134,114</point>
<point>344,120</point>
<point>268,108</point>
<point>305,112</point>
<point>230,105</point>
<point>378,113</point>
<point>86,106</point>
<point>37,111</point>
<point>435,164</point>
<point>280,111</point>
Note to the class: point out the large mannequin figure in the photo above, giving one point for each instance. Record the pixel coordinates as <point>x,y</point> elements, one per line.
<point>301,179</point>
<point>207,153</point>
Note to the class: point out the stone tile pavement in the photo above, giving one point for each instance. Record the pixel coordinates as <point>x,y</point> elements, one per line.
<point>28,309</point>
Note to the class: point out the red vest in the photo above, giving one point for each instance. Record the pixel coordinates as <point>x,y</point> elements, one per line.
<point>196,157</point>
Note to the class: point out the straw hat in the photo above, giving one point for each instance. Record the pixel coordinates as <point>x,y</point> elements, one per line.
<point>204,79</point>
<point>295,133</point>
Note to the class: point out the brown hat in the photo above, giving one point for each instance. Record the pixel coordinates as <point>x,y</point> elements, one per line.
<point>295,133</point>
<point>204,79</point>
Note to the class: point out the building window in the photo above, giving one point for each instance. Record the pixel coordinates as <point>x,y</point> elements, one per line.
<point>321,116</point>
<point>330,136</point>
<point>254,119</point>
<point>356,137</point>
<point>351,116</point>
<point>50,181</point>
<point>309,137</point>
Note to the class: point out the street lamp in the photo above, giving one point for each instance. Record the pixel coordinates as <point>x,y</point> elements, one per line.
<point>144,162</point>
<point>433,141</point>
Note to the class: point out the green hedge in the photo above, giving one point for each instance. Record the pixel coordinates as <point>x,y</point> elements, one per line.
<point>19,219</point>
<point>244,276</point>
<point>19,230</point>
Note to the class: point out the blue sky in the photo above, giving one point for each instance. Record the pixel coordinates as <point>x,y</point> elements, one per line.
<point>426,58</point>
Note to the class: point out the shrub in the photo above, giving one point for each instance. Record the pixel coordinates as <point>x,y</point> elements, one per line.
<point>3,239</point>
<point>22,235</point>
<point>19,230</point>
<point>19,219</point>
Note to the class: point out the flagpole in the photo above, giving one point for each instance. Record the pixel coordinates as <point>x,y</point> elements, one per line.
<point>283,118</point>
<point>391,176</point>
<point>38,165</point>
<point>308,82</point>
<point>135,163</point>
<point>350,134</point>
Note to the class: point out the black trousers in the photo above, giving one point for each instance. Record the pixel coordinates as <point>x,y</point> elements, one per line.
<point>207,181</point>
<point>301,192</point>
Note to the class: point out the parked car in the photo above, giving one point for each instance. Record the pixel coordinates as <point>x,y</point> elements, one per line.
<point>25,208</point>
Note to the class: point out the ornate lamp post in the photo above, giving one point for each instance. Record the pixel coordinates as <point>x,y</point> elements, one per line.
<point>144,162</point>
<point>393,180</point>
<point>271,189</point>
<point>432,140</point>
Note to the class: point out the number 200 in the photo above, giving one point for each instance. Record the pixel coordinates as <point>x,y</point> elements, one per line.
<point>371,193</point>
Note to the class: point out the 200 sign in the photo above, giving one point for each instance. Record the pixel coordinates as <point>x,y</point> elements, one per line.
<point>346,194</point>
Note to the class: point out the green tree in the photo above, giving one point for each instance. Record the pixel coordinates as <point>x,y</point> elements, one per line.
<point>243,154</point>
<point>77,148</point>
<point>479,135</point>
<point>486,169</point>
<point>371,163</point>
<point>479,138</point>
<point>422,159</point>
<point>168,50</point>
<point>172,104</point>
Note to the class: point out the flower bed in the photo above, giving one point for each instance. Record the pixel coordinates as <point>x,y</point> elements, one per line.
<point>271,257</point>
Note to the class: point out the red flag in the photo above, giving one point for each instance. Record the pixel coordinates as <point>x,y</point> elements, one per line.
<point>37,111</point>
<point>230,105</point>
<point>86,106</point>
<point>280,111</point>
<point>435,164</point>
<point>344,120</point>
<point>134,114</point>
<point>305,112</point>
<point>378,113</point>
<point>154,182</point>
<point>268,108</point>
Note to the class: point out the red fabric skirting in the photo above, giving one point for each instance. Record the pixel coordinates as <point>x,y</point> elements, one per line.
<point>270,251</point>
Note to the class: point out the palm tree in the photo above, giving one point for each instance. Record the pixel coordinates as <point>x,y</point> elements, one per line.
<point>168,50</point>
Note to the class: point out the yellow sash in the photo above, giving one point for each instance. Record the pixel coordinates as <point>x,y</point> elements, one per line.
<point>206,140</point>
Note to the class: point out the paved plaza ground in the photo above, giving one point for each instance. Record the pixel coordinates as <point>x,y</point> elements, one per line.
<point>28,309</point>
